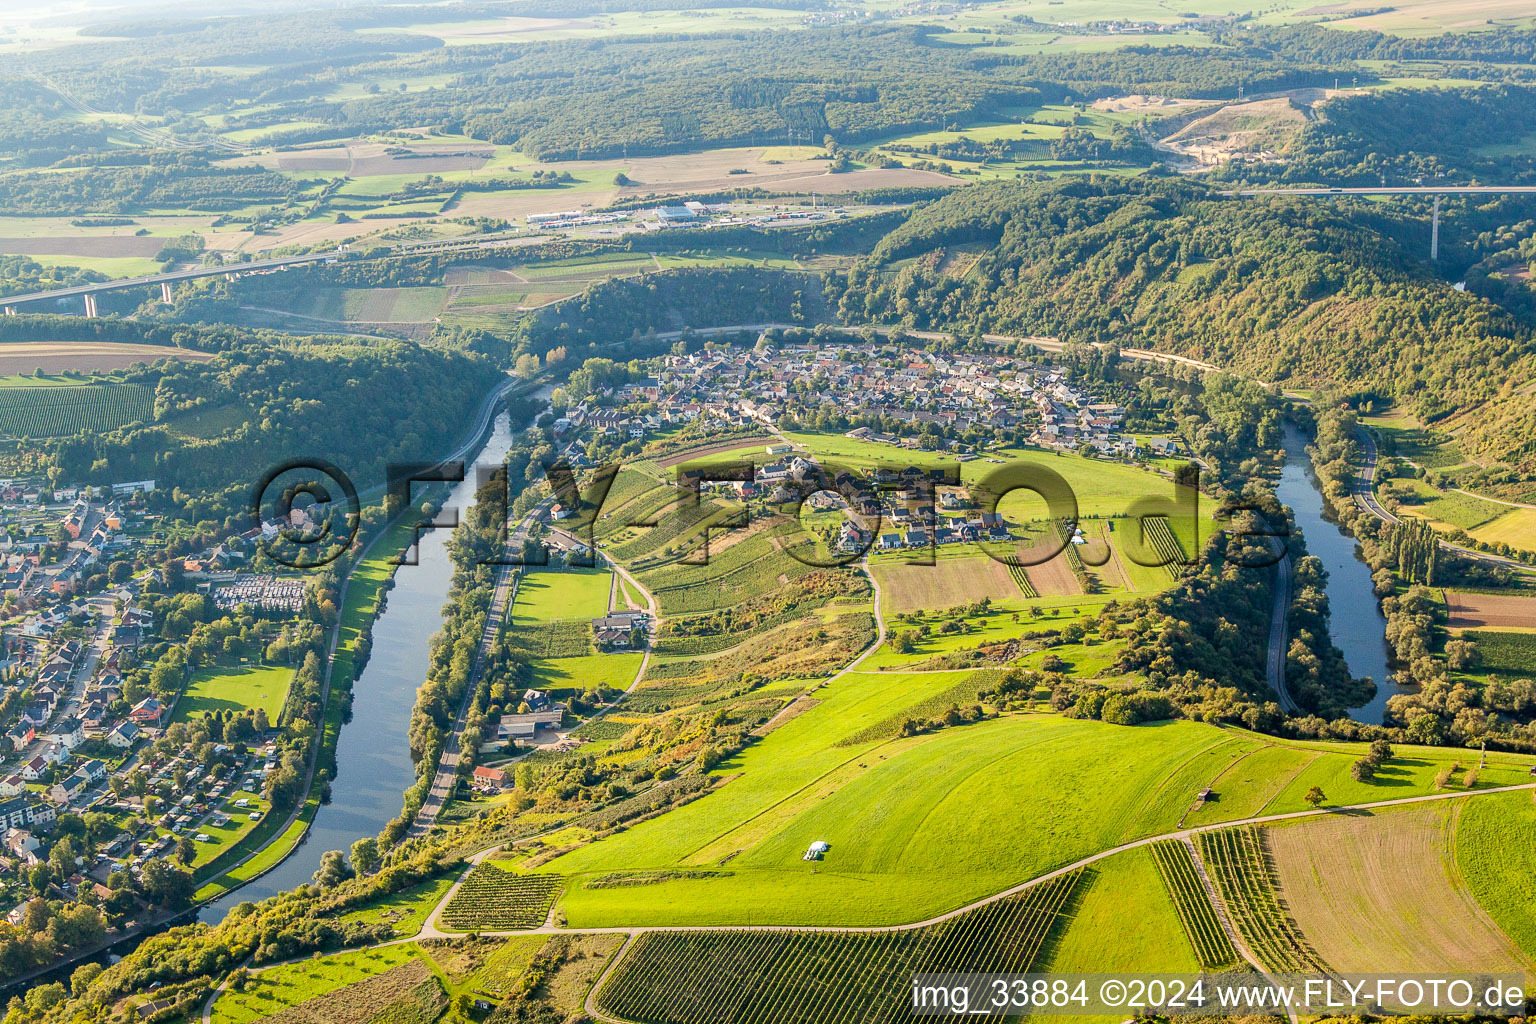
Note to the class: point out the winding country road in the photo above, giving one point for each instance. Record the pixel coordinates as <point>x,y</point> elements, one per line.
<point>1365,497</point>
<point>430,931</point>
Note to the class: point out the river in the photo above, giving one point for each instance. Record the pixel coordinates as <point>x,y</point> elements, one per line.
<point>1356,622</point>
<point>373,761</point>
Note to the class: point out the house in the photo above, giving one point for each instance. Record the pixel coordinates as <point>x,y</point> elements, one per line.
<point>34,769</point>
<point>535,699</point>
<point>612,638</point>
<point>20,735</point>
<point>69,789</point>
<point>23,812</point>
<point>124,736</point>
<point>69,732</point>
<point>492,778</point>
<point>23,845</point>
<point>146,712</point>
<point>12,785</point>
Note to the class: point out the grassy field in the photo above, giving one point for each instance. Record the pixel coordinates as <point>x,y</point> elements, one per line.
<point>1495,858</point>
<point>616,670</point>
<point>1515,527</point>
<point>1095,937</point>
<point>227,836</point>
<point>567,594</point>
<point>281,987</point>
<point>406,911</point>
<point>919,825</point>
<point>1338,874</point>
<point>221,688</point>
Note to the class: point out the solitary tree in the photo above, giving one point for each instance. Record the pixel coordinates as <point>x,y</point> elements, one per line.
<point>1315,796</point>
<point>365,855</point>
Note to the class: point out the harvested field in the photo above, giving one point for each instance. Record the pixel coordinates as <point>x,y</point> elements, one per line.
<point>854,181</point>
<point>1053,579</point>
<point>83,245</point>
<point>946,583</point>
<point>1498,611</point>
<point>715,449</point>
<point>363,161</point>
<point>85,356</point>
<point>1517,528</point>
<point>1381,892</point>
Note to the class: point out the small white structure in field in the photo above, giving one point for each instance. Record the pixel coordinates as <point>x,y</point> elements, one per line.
<point>818,850</point>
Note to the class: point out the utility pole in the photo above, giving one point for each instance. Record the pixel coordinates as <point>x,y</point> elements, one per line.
<point>1434,232</point>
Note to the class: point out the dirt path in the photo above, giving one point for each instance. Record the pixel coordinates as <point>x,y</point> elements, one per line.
<point>1496,501</point>
<point>1219,905</point>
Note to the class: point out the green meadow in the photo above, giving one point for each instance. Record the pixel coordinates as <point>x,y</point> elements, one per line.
<point>566,594</point>
<point>920,825</point>
<point>235,689</point>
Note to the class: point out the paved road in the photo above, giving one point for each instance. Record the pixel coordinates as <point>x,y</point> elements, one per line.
<point>447,776</point>
<point>1365,497</point>
<point>1385,190</point>
<point>1275,669</point>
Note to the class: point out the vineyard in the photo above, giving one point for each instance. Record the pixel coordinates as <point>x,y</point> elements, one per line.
<point>1065,531</point>
<point>736,977</point>
<point>1504,652</point>
<point>491,899</point>
<point>63,410</point>
<point>1177,866</point>
<point>1240,865</point>
<point>568,638</point>
<point>1021,580</point>
<point>1160,534</point>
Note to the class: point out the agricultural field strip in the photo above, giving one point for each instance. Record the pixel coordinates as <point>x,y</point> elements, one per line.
<point>1179,834</point>
<point>1176,864</point>
<point>776,979</point>
<point>1240,865</point>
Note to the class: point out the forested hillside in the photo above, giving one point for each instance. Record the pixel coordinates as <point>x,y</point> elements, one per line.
<point>1408,137</point>
<point>218,425</point>
<point>1287,291</point>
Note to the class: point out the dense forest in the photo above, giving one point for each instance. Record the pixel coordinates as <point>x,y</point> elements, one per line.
<point>567,99</point>
<point>1285,291</point>
<point>218,424</point>
<point>1407,137</point>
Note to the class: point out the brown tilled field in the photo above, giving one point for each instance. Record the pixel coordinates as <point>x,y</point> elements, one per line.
<point>85,356</point>
<point>83,245</point>
<point>946,583</point>
<point>1493,610</point>
<point>1380,892</point>
<point>1053,578</point>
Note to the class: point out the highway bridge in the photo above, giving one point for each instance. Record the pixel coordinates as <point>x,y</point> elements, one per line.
<point>1385,190</point>
<point>88,292</point>
<point>1437,191</point>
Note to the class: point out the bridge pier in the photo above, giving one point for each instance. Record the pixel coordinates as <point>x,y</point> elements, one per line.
<point>10,310</point>
<point>165,291</point>
<point>1434,232</point>
<point>90,305</point>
